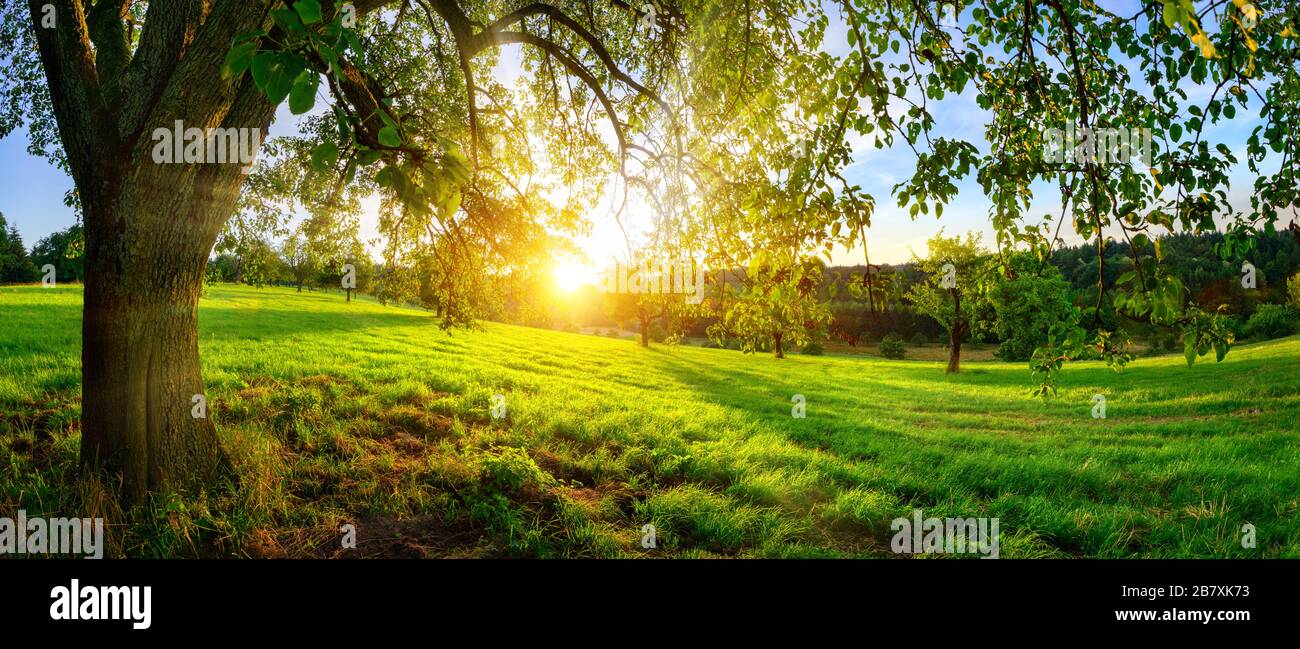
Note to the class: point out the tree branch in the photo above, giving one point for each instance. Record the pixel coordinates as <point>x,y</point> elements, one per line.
<point>74,86</point>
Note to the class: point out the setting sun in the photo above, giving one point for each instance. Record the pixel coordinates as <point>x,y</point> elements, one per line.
<point>569,276</point>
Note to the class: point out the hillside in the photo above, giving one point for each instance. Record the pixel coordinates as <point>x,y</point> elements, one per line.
<point>339,413</point>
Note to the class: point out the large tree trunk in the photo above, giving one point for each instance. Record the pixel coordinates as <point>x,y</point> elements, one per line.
<point>645,331</point>
<point>150,225</point>
<point>140,353</point>
<point>777,351</point>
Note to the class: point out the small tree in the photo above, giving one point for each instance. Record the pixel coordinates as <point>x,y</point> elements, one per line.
<point>778,306</point>
<point>891,346</point>
<point>954,291</point>
<point>298,261</point>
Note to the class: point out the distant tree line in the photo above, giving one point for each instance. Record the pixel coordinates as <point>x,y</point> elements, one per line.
<point>63,250</point>
<point>1013,309</point>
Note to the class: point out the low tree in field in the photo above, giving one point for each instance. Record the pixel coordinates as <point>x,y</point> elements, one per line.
<point>956,289</point>
<point>778,308</point>
<point>668,313</point>
<point>297,260</point>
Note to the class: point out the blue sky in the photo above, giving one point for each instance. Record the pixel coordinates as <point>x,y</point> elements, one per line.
<point>32,190</point>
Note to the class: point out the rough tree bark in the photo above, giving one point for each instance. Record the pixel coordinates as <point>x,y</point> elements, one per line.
<point>149,226</point>
<point>777,351</point>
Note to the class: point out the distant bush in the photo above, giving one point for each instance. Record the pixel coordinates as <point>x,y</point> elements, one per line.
<point>1271,321</point>
<point>1026,307</point>
<point>812,349</point>
<point>711,344</point>
<point>612,333</point>
<point>892,347</point>
<point>920,340</point>
<point>733,344</point>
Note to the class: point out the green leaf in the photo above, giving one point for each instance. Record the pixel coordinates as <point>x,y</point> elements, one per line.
<point>287,20</point>
<point>388,136</point>
<point>237,60</point>
<point>324,156</point>
<point>285,70</point>
<point>262,64</point>
<point>303,94</point>
<point>1189,347</point>
<point>278,85</point>
<point>308,10</point>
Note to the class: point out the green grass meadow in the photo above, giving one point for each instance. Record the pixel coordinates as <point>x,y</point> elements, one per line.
<point>337,413</point>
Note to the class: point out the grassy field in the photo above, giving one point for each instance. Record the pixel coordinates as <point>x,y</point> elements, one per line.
<point>356,413</point>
